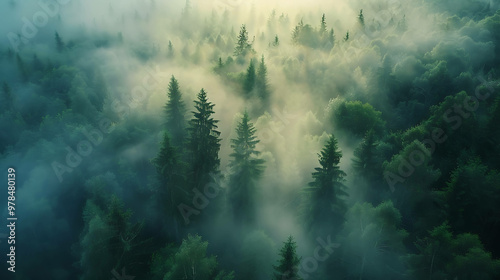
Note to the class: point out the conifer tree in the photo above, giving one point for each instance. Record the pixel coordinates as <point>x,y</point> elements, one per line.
<point>246,169</point>
<point>322,28</point>
<point>361,18</point>
<point>242,44</point>
<point>261,82</point>
<point>59,43</point>
<point>288,264</point>
<point>203,142</point>
<point>175,111</point>
<point>250,78</point>
<point>325,206</point>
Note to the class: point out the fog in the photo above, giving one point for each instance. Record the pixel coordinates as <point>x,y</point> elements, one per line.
<point>84,98</point>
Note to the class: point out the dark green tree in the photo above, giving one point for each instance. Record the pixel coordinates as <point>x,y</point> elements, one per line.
<point>361,18</point>
<point>170,51</point>
<point>169,169</point>
<point>324,205</point>
<point>176,112</point>
<point>288,264</point>
<point>322,27</point>
<point>250,78</point>
<point>364,156</point>
<point>203,142</point>
<point>59,43</point>
<point>246,169</point>
<point>346,38</point>
<point>261,82</point>
<point>242,45</point>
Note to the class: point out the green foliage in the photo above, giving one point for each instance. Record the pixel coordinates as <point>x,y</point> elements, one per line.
<point>258,251</point>
<point>246,169</point>
<point>288,264</point>
<point>59,43</point>
<point>358,118</point>
<point>243,47</point>
<point>203,142</point>
<point>324,205</point>
<point>191,262</point>
<point>250,78</point>
<point>441,255</point>
<point>372,241</point>
<point>175,111</point>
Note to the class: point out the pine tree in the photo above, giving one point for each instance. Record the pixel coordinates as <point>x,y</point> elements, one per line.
<point>175,111</point>
<point>276,41</point>
<point>170,52</point>
<point>59,43</point>
<point>326,206</point>
<point>250,78</point>
<point>364,161</point>
<point>288,265</point>
<point>322,28</point>
<point>169,168</point>
<point>261,82</point>
<point>246,168</point>
<point>331,37</point>
<point>346,36</point>
<point>203,142</point>
<point>21,66</point>
<point>242,45</point>
<point>361,18</point>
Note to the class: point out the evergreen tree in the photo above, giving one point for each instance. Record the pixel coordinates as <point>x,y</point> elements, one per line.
<point>242,44</point>
<point>170,169</point>
<point>276,41</point>
<point>175,111</point>
<point>246,169</point>
<point>364,156</point>
<point>59,43</point>
<point>325,206</point>
<point>170,52</point>
<point>250,78</point>
<point>322,28</point>
<point>331,37</point>
<point>288,264</point>
<point>361,18</point>
<point>346,38</point>
<point>203,142</point>
<point>261,82</point>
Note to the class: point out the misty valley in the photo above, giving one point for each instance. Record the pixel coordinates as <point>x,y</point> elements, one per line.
<point>252,140</point>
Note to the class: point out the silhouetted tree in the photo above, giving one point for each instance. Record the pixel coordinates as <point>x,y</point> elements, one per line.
<point>203,142</point>
<point>246,169</point>
<point>175,111</point>
<point>325,206</point>
<point>288,264</point>
<point>59,43</point>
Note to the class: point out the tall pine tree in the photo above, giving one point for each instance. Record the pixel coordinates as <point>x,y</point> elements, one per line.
<point>325,206</point>
<point>246,169</point>
<point>176,111</point>
<point>261,82</point>
<point>250,78</point>
<point>203,142</point>
<point>288,265</point>
<point>242,44</point>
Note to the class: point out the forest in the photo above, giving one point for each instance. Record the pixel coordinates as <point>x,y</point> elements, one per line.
<point>252,140</point>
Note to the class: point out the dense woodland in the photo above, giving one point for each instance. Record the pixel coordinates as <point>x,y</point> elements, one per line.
<point>253,140</point>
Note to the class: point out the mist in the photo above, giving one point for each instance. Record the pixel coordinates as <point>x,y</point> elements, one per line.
<point>250,139</point>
